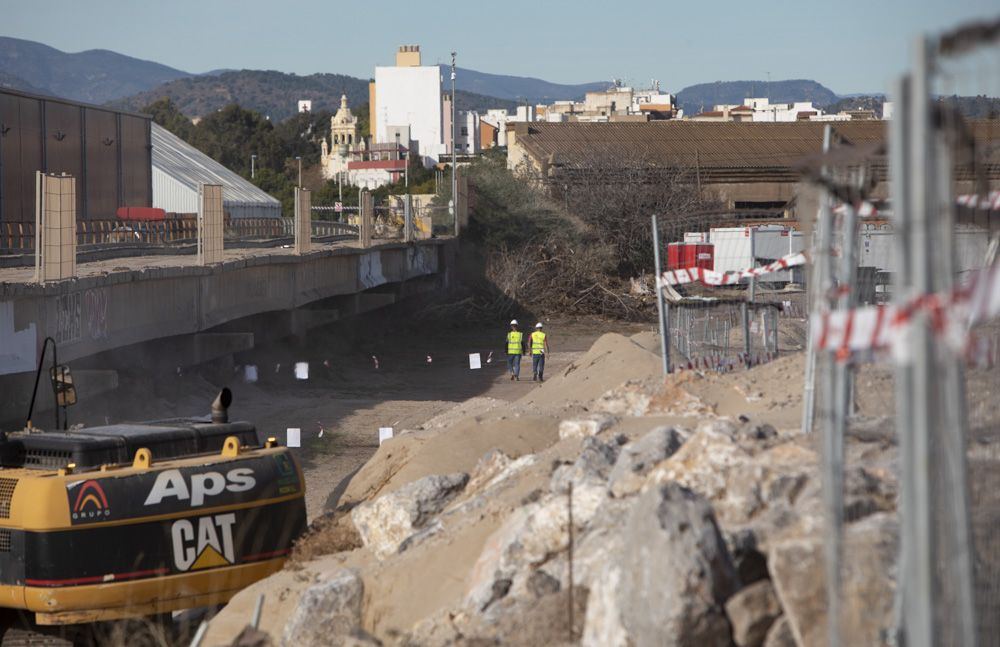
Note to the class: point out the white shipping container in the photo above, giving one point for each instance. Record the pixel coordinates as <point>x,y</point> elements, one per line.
<point>878,248</point>
<point>739,248</point>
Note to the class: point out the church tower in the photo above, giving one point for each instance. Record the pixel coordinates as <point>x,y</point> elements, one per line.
<point>343,139</point>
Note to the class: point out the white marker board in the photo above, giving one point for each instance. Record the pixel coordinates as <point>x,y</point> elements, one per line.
<point>293,437</point>
<point>384,434</point>
<point>475,361</point>
<point>301,370</point>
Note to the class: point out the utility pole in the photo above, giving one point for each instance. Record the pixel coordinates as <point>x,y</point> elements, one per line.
<point>299,159</point>
<point>253,166</point>
<point>454,155</point>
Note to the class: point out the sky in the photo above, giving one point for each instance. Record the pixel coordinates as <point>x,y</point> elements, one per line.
<point>851,46</point>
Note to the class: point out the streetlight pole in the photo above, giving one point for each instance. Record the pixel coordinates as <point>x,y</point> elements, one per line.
<point>454,154</point>
<point>299,159</point>
<point>253,166</point>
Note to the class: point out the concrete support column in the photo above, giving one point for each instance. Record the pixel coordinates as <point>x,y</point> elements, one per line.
<point>367,219</point>
<point>56,249</point>
<point>210,225</point>
<point>303,220</point>
<point>407,218</point>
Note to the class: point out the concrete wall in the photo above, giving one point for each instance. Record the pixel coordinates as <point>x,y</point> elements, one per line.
<point>95,314</point>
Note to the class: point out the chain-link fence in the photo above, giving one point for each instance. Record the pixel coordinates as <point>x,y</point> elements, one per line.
<point>906,342</point>
<point>722,310</point>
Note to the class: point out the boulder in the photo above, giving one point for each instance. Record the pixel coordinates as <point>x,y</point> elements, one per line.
<point>631,399</point>
<point>590,425</point>
<point>780,634</point>
<point>385,523</point>
<point>531,535</point>
<point>798,572</point>
<point>638,458</point>
<point>591,467</point>
<point>668,582</point>
<point>751,612</point>
<point>327,612</point>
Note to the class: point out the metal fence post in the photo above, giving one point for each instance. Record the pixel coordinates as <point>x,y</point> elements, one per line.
<point>919,619</point>
<point>660,305</point>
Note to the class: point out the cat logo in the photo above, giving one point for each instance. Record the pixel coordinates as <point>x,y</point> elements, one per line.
<point>205,542</point>
<point>91,502</point>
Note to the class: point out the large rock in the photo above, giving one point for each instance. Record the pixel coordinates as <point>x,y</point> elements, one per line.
<point>667,584</point>
<point>385,523</point>
<point>636,459</point>
<point>591,467</point>
<point>590,425</point>
<point>752,611</point>
<point>327,612</point>
<point>772,490</point>
<point>867,582</point>
<point>780,634</point>
<point>531,536</point>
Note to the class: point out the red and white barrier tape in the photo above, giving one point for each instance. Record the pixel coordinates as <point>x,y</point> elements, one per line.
<point>877,327</point>
<point>711,277</point>
<point>987,202</point>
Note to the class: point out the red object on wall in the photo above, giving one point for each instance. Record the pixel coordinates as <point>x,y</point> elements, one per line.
<point>688,255</point>
<point>141,213</point>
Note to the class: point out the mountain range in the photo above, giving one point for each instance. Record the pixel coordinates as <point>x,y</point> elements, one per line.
<point>102,76</point>
<point>94,76</point>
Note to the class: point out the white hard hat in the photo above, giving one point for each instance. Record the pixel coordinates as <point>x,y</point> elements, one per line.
<point>513,322</point>
<point>538,325</point>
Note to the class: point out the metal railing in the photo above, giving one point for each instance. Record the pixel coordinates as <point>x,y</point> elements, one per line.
<point>20,237</point>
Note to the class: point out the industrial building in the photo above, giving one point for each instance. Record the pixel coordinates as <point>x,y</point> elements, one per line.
<point>107,151</point>
<point>179,169</point>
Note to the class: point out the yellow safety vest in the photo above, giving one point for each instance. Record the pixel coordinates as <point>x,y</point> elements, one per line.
<point>537,342</point>
<point>514,342</point>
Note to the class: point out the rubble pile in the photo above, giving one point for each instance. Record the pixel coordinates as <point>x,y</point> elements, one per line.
<point>642,512</point>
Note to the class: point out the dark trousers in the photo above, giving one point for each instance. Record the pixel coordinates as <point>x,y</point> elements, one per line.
<point>514,365</point>
<point>538,365</point>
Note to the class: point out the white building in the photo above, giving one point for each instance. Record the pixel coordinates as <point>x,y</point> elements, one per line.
<point>409,94</point>
<point>467,135</point>
<point>305,105</point>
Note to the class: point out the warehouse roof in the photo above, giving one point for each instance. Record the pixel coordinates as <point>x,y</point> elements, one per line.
<point>189,166</point>
<point>719,145</point>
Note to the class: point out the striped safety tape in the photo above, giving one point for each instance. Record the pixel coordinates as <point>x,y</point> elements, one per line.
<point>877,327</point>
<point>711,277</point>
<point>990,201</point>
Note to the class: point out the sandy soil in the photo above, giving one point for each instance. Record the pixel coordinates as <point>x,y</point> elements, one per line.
<point>346,399</point>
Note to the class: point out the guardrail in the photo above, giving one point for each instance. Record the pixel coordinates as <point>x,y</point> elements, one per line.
<point>19,237</point>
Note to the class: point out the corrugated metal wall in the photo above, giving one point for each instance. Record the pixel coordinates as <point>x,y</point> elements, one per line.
<point>107,151</point>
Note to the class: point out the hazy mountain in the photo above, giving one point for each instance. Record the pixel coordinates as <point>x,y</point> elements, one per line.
<point>275,94</point>
<point>8,80</point>
<point>697,98</point>
<point>94,76</point>
<point>520,89</point>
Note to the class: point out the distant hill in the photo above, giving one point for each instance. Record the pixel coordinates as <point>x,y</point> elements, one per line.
<point>94,76</point>
<point>8,80</point>
<point>274,94</point>
<point>519,89</point>
<point>858,102</point>
<point>696,98</point>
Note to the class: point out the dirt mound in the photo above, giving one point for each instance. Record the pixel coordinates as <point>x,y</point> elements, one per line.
<point>414,455</point>
<point>612,360</point>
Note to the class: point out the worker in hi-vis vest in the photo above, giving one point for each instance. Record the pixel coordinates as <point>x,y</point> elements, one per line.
<point>515,348</point>
<point>539,343</point>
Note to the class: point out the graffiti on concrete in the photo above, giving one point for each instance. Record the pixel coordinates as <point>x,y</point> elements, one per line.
<point>95,309</point>
<point>370,270</point>
<point>68,318</point>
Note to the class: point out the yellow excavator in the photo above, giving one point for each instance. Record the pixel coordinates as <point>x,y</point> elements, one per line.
<point>137,520</point>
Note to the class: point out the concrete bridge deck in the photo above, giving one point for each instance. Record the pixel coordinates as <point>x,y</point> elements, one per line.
<point>203,310</point>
